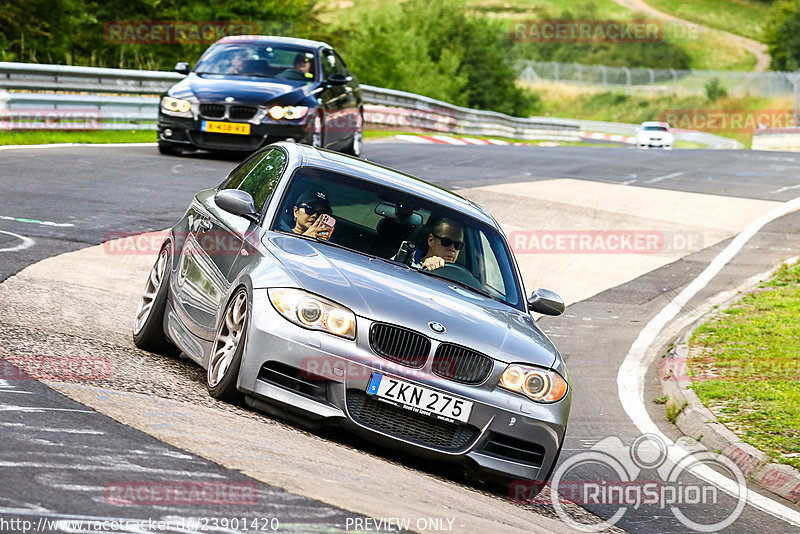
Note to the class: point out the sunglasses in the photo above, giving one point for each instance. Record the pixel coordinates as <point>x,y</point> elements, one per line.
<point>310,211</point>
<point>446,242</point>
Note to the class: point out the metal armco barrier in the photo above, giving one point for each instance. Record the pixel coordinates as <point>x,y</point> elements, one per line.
<point>55,96</point>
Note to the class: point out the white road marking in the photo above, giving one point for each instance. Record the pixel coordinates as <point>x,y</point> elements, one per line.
<point>787,188</point>
<point>665,177</point>
<point>34,221</point>
<point>630,379</point>
<point>27,242</point>
<point>63,145</point>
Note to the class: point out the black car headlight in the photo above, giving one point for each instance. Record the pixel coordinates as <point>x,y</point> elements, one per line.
<point>313,312</point>
<point>177,106</point>
<point>288,112</point>
<point>540,385</point>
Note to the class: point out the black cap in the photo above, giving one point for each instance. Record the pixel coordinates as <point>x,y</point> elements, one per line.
<point>313,195</point>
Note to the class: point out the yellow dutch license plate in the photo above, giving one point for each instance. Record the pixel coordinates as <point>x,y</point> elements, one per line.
<point>225,127</point>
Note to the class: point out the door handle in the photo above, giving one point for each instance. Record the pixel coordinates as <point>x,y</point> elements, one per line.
<point>204,225</point>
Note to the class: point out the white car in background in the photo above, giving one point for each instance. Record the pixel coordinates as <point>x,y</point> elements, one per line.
<point>654,134</point>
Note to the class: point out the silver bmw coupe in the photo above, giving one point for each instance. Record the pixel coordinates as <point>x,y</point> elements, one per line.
<point>329,290</point>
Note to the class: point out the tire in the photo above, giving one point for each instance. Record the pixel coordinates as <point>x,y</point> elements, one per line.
<point>226,351</point>
<point>148,324</point>
<point>316,135</point>
<point>356,145</point>
<point>167,149</point>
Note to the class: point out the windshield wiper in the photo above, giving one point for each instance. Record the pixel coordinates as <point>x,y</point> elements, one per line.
<point>462,284</point>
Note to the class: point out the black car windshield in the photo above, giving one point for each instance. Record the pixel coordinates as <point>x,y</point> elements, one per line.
<point>397,226</point>
<point>264,60</point>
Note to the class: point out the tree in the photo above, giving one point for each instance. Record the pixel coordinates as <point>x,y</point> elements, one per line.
<point>783,35</point>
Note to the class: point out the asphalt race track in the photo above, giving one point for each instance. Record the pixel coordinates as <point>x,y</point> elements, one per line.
<point>60,457</point>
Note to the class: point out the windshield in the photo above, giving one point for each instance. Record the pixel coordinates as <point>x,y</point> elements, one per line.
<point>655,128</point>
<point>397,226</point>
<point>269,61</point>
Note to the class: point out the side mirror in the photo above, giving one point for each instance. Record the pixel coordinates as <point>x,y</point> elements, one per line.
<point>181,67</point>
<point>238,203</point>
<point>546,302</point>
<point>337,78</point>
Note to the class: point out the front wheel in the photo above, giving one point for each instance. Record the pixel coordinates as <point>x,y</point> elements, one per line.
<point>226,352</point>
<point>356,145</point>
<point>315,137</point>
<point>148,325</point>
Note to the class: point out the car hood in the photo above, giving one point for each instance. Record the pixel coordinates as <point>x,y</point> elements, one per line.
<point>382,291</point>
<point>244,89</point>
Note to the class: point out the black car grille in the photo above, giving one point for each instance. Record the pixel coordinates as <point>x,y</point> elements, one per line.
<point>242,113</point>
<point>399,345</point>
<point>225,141</point>
<point>401,423</point>
<point>515,449</point>
<point>461,364</point>
<point>212,111</point>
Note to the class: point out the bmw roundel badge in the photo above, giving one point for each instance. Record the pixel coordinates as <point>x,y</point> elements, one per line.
<point>437,327</point>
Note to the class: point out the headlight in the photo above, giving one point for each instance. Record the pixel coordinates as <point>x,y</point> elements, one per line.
<point>313,312</point>
<point>537,384</point>
<point>176,105</point>
<point>288,112</point>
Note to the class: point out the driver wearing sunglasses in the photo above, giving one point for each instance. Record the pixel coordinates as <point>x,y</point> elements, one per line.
<point>445,241</point>
<point>308,211</point>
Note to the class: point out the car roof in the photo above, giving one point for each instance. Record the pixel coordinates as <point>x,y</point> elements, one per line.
<point>294,41</point>
<point>373,172</point>
<point>655,123</point>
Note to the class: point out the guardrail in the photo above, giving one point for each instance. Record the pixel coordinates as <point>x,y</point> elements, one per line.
<point>105,99</point>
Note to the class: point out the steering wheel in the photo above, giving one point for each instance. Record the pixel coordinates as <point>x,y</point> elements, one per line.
<point>459,273</point>
<point>293,74</point>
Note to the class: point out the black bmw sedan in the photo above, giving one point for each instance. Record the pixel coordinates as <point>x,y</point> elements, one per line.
<point>248,91</point>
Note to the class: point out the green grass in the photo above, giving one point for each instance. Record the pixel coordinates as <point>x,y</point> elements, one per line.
<point>749,371</point>
<point>742,17</point>
<point>39,137</point>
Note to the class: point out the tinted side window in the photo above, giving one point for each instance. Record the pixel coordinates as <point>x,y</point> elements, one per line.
<point>328,64</point>
<point>258,176</point>
<point>262,178</point>
<point>341,67</point>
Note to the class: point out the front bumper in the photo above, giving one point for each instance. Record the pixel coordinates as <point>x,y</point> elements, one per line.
<point>186,133</point>
<point>322,379</point>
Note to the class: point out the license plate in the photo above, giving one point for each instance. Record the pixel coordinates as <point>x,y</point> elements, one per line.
<point>226,127</point>
<point>419,399</point>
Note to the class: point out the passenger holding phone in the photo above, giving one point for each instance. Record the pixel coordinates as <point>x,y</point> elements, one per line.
<point>312,215</point>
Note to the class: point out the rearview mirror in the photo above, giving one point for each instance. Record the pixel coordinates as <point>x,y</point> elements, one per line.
<point>399,213</point>
<point>238,203</point>
<point>546,302</point>
<point>182,67</point>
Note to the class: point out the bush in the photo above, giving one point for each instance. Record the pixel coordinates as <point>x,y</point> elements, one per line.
<point>715,90</point>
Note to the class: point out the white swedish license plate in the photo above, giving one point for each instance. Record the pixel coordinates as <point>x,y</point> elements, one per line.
<point>419,399</point>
